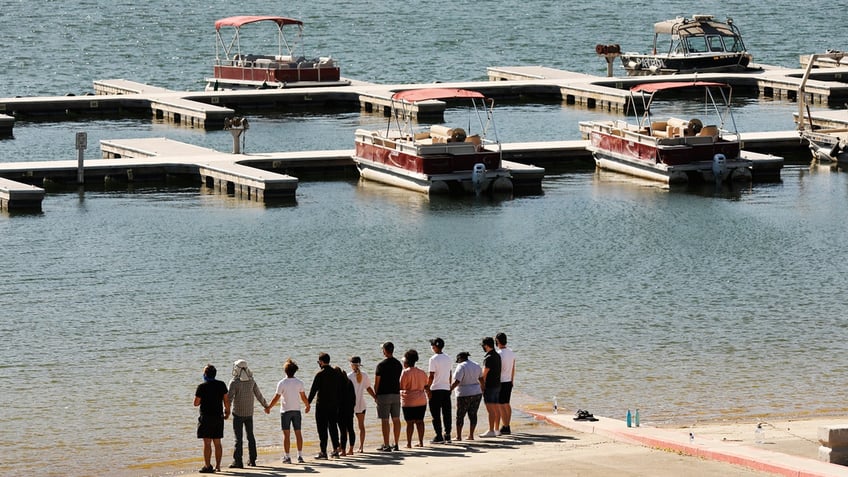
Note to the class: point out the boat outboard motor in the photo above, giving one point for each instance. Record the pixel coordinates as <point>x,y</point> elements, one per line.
<point>719,166</point>
<point>478,177</point>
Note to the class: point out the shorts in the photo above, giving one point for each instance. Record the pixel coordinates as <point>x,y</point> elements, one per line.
<point>415,413</point>
<point>506,392</point>
<point>210,426</point>
<point>491,395</point>
<point>388,405</point>
<point>290,419</point>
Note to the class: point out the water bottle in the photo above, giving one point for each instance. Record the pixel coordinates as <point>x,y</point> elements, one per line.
<point>629,418</point>
<point>636,418</point>
<point>556,409</point>
<point>759,434</point>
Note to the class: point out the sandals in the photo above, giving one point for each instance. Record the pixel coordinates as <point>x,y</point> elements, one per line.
<point>584,416</point>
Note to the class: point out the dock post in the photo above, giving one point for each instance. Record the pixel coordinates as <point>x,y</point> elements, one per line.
<point>82,144</point>
<point>237,126</point>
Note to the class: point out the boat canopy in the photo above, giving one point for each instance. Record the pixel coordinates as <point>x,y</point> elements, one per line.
<point>416,95</point>
<point>669,85</point>
<point>699,26</point>
<point>245,19</point>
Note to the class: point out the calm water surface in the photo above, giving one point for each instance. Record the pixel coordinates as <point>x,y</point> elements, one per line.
<point>616,294</point>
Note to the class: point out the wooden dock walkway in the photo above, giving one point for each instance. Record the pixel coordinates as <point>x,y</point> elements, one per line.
<point>265,177</point>
<point>209,109</point>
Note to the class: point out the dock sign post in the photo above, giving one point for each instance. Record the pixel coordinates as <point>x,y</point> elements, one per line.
<point>82,144</point>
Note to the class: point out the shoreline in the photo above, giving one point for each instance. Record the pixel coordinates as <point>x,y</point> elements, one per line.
<point>557,440</point>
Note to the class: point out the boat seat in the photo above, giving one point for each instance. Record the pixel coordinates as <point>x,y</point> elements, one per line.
<point>710,130</point>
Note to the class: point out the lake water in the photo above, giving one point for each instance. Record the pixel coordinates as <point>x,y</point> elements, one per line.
<point>616,294</point>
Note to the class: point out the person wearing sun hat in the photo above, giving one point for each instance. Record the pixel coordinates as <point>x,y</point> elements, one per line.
<point>243,389</point>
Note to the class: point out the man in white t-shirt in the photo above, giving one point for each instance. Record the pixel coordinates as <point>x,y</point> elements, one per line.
<point>507,376</point>
<point>438,392</point>
<point>290,392</point>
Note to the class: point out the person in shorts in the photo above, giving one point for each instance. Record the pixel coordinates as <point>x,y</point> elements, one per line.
<point>387,395</point>
<point>490,381</point>
<point>507,377</point>
<point>209,397</point>
<point>413,398</point>
<point>290,393</point>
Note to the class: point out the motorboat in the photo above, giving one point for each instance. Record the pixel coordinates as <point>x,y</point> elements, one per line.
<point>435,159</point>
<point>671,150</point>
<point>688,45</point>
<point>826,145</point>
<point>285,67</point>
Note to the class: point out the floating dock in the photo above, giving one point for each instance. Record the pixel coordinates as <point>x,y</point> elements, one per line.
<point>209,109</point>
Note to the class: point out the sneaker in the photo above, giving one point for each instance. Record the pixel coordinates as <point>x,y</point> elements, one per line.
<point>437,440</point>
<point>384,448</point>
<point>447,439</point>
<point>505,430</point>
<point>489,434</point>
<point>237,465</point>
<point>321,456</point>
<point>252,463</point>
<point>395,448</point>
<point>334,455</point>
<point>497,433</point>
<point>286,460</point>
<point>207,469</point>
<point>299,459</point>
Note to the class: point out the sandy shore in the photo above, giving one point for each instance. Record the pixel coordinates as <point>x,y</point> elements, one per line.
<point>556,445</point>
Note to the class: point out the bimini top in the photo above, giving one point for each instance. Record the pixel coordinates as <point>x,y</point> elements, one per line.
<point>667,85</point>
<point>415,95</point>
<point>700,25</point>
<point>245,19</point>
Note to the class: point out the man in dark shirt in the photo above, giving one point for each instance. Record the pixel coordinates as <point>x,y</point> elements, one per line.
<point>491,384</point>
<point>327,387</point>
<point>210,424</point>
<point>387,395</point>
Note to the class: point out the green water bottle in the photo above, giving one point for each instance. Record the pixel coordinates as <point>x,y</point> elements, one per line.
<point>629,419</point>
<point>636,418</point>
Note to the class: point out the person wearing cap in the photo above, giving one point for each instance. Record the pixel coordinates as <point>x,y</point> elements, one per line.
<point>387,395</point>
<point>466,381</point>
<point>243,389</point>
<point>209,397</point>
<point>438,391</point>
<point>490,382</point>
<point>290,393</point>
<point>507,376</point>
<point>361,385</point>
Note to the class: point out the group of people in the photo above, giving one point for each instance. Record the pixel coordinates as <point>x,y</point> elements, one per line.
<point>339,396</point>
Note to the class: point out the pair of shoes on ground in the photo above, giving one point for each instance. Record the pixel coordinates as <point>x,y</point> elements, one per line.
<point>207,469</point>
<point>287,460</point>
<point>584,416</point>
<point>490,434</point>
<point>505,430</point>
<point>321,456</point>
